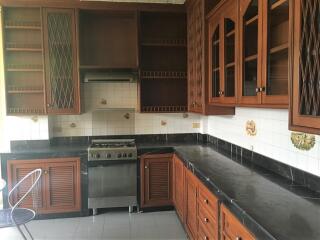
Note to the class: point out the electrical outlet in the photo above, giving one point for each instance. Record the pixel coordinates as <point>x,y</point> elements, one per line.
<point>195,125</point>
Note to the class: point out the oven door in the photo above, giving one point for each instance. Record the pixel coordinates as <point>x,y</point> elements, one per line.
<point>112,183</point>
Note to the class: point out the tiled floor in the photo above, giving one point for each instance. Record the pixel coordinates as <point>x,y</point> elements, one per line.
<point>111,225</point>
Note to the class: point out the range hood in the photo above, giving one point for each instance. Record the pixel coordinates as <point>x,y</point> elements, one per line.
<point>110,77</point>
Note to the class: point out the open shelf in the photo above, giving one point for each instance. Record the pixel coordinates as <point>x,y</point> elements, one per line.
<point>25,90</point>
<point>164,109</point>
<point>23,25</point>
<point>229,65</point>
<point>279,48</point>
<point>24,68</point>
<point>163,75</point>
<point>164,43</point>
<point>216,42</point>
<point>23,111</point>
<point>23,47</point>
<point>229,34</point>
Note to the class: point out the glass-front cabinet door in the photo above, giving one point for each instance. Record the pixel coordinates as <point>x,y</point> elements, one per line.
<point>275,78</point>
<point>223,54</point>
<point>249,91</point>
<point>62,81</point>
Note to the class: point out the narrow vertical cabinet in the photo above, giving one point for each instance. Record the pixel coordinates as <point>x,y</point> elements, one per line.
<point>305,96</point>
<point>265,45</point>
<point>223,53</point>
<point>191,208</point>
<point>61,61</point>
<point>156,180</point>
<point>59,190</point>
<point>198,99</point>
<point>178,186</point>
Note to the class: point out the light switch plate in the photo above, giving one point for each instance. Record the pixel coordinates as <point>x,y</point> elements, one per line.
<point>195,125</point>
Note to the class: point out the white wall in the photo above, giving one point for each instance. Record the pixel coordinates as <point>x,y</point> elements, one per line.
<point>272,139</point>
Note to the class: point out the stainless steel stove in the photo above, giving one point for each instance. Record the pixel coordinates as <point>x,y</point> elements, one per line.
<point>112,173</point>
<point>115,149</point>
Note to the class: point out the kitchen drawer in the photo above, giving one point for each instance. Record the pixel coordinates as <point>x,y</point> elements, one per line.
<point>207,222</point>
<point>231,228</point>
<point>208,201</point>
<point>204,235</point>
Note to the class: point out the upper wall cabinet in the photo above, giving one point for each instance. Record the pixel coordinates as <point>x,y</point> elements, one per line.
<point>108,39</point>
<point>265,28</point>
<point>305,88</point>
<point>62,80</point>
<point>223,57</point>
<point>198,99</point>
<point>40,60</point>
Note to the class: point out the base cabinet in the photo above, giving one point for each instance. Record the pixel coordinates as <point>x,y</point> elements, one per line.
<point>178,186</point>
<point>231,228</point>
<point>60,187</point>
<point>156,180</point>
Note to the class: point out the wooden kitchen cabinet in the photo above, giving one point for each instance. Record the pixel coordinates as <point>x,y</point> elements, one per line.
<point>191,206</point>
<point>40,56</point>
<point>305,97</point>
<point>231,228</point>
<point>223,53</point>
<point>61,61</point>
<point>178,186</point>
<point>198,98</point>
<point>265,43</point>
<point>60,187</point>
<point>156,180</point>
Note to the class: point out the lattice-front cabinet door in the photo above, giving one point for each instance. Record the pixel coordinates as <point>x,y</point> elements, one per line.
<point>305,95</point>
<point>62,81</point>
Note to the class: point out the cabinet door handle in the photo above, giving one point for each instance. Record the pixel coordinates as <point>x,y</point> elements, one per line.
<point>206,238</point>
<point>238,238</point>
<point>206,201</point>
<point>257,90</point>
<point>206,220</point>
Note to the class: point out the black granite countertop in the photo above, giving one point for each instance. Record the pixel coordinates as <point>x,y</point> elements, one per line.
<point>270,206</point>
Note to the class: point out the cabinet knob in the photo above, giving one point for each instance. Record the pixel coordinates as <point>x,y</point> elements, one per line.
<point>206,238</point>
<point>257,90</point>
<point>206,201</point>
<point>146,167</point>
<point>206,220</point>
<point>238,238</point>
<point>45,172</point>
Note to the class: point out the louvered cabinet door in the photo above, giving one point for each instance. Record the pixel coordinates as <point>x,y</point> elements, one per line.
<point>61,62</point>
<point>16,170</point>
<point>156,187</point>
<point>63,185</point>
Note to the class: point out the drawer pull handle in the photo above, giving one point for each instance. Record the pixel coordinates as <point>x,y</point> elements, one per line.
<point>206,220</point>
<point>206,238</point>
<point>206,201</point>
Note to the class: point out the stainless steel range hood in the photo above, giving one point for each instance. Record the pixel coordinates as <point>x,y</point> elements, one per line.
<point>110,77</point>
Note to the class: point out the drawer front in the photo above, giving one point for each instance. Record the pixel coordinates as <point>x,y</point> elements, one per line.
<point>208,201</point>
<point>207,222</point>
<point>204,235</point>
<point>232,228</point>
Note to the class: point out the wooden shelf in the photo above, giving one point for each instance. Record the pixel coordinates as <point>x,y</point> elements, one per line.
<point>25,90</point>
<point>164,43</point>
<point>163,75</point>
<point>229,65</point>
<point>277,4</point>
<point>250,58</point>
<point>230,33</point>
<point>216,42</point>
<point>24,111</point>
<point>23,25</point>
<point>252,20</point>
<point>279,48</point>
<point>23,47</point>
<point>216,69</point>
<point>24,68</point>
<point>164,109</point>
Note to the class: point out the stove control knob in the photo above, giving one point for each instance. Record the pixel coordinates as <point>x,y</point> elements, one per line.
<point>129,155</point>
<point>108,155</point>
<point>124,155</point>
<point>119,155</point>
